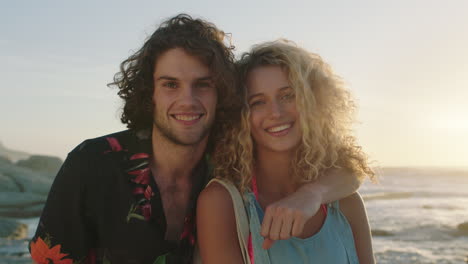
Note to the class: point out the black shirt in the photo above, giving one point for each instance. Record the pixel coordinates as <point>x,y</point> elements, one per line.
<point>104,207</point>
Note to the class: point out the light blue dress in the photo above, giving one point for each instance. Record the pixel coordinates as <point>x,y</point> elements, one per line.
<point>333,244</point>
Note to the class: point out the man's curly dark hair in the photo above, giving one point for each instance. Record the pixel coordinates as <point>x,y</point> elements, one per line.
<point>198,38</point>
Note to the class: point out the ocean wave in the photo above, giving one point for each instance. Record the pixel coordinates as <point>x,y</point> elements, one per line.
<point>424,233</point>
<point>392,251</point>
<point>387,196</point>
<point>442,207</point>
<point>411,194</point>
<point>381,232</point>
<point>393,256</point>
<point>415,256</point>
<point>424,172</point>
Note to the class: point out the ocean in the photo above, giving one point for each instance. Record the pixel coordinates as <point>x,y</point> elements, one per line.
<point>414,215</point>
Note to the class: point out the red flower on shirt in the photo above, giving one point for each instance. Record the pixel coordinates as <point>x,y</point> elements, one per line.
<point>114,144</point>
<point>41,253</point>
<point>142,176</point>
<point>148,193</point>
<point>139,156</point>
<point>146,209</point>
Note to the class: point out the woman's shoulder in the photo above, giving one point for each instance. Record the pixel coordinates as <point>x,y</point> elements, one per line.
<point>216,226</point>
<point>215,197</point>
<point>353,208</point>
<point>350,201</point>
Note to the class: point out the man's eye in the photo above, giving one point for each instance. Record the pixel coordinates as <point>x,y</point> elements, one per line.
<point>204,85</point>
<point>170,85</point>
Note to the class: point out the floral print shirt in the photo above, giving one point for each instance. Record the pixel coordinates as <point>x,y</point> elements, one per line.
<point>104,207</point>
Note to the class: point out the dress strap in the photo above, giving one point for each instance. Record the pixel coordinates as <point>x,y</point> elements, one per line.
<point>242,222</point>
<point>336,204</point>
<point>324,209</point>
<point>250,246</point>
<point>254,187</point>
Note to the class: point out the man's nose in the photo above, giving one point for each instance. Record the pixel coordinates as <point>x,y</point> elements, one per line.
<point>187,95</point>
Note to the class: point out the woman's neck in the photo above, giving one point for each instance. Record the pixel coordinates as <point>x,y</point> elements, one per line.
<point>273,173</point>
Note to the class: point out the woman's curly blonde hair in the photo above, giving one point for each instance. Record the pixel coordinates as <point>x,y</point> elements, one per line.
<point>326,112</point>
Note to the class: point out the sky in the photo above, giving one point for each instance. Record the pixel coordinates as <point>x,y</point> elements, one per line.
<point>405,62</point>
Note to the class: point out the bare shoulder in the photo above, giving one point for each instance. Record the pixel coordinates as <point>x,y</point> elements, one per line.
<point>216,226</point>
<point>355,212</point>
<point>215,195</point>
<point>214,205</point>
<point>352,206</point>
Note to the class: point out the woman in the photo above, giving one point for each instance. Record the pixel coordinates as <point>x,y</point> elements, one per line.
<point>295,124</point>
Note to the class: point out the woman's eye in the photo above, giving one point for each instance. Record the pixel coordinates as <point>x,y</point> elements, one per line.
<point>256,103</point>
<point>288,96</point>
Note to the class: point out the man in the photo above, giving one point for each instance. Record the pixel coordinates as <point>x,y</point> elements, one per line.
<point>129,197</point>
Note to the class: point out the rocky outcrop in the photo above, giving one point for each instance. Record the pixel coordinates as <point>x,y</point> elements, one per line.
<point>25,180</point>
<point>4,160</point>
<point>21,205</point>
<point>24,186</point>
<point>11,229</point>
<point>22,192</point>
<point>463,229</point>
<point>45,164</point>
<point>17,199</point>
<point>7,184</point>
<point>12,155</point>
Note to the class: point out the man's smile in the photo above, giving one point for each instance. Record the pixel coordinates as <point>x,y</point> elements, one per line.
<point>187,118</point>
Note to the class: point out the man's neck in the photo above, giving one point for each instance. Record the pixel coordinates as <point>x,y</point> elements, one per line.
<point>172,161</point>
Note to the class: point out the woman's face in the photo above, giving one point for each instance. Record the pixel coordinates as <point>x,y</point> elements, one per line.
<point>274,119</point>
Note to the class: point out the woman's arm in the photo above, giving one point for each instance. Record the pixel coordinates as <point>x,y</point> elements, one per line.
<point>216,227</point>
<point>354,210</point>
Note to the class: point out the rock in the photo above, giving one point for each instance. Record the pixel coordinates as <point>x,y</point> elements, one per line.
<point>23,192</point>
<point>7,184</point>
<point>15,260</point>
<point>18,199</point>
<point>378,232</point>
<point>463,226</point>
<point>21,205</point>
<point>27,180</point>
<point>12,155</point>
<point>4,160</point>
<point>463,229</point>
<point>11,229</point>
<point>38,163</point>
<point>14,251</point>
<point>28,212</point>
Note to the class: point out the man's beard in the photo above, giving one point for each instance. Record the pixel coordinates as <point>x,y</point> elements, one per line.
<point>166,131</point>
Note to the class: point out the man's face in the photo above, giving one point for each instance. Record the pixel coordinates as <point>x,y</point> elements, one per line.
<point>184,96</point>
